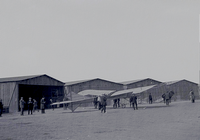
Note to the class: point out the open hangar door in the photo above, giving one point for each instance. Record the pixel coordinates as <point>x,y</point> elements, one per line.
<point>56,93</point>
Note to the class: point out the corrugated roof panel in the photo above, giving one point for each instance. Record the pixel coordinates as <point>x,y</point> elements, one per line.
<point>77,82</point>
<point>171,82</point>
<point>19,78</point>
<point>132,81</point>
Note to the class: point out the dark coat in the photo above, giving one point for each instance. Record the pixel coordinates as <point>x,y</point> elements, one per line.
<point>104,103</point>
<point>1,105</point>
<point>30,105</point>
<point>131,99</point>
<point>150,97</point>
<point>134,99</point>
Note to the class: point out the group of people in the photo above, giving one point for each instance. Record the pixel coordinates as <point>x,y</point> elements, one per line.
<point>101,103</point>
<point>133,101</point>
<point>32,105</point>
<point>167,97</point>
<point>116,103</point>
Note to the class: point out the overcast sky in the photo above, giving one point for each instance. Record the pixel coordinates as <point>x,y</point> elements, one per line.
<point>113,40</point>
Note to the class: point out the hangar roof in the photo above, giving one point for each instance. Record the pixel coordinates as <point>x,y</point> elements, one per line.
<point>22,78</point>
<point>173,82</point>
<point>135,81</point>
<point>82,81</point>
<point>77,82</point>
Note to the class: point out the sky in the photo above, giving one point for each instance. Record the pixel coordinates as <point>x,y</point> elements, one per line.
<point>113,40</point>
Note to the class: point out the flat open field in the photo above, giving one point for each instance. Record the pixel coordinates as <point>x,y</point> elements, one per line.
<point>179,121</point>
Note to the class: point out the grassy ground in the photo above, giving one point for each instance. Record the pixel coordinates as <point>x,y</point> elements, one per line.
<point>179,121</point>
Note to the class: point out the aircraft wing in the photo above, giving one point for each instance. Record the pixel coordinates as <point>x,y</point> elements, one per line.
<point>126,93</point>
<point>73,105</point>
<point>96,92</point>
<point>74,102</point>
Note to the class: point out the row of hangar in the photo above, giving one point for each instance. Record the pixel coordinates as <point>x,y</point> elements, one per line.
<point>38,86</point>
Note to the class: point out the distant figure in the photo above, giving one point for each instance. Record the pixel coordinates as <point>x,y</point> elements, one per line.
<point>167,98</point>
<point>163,96</point>
<point>131,100</point>
<point>21,105</point>
<point>150,98</point>
<point>114,103</point>
<point>192,96</point>
<point>95,102</point>
<point>51,102</point>
<point>65,105</point>
<point>1,107</point>
<point>99,102</point>
<point>42,103</point>
<point>104,104</point>
<point>35,105</point>
<point>171,93</point>
<point>30,106</point>
<point>134,102</point>
<point>118,102</point>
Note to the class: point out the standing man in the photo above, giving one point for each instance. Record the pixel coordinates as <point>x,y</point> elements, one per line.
<point>163,96</point>
<point>131,100</point>
<point>99,102</point>
<point>64,105</point>
<point>118,102</point>
<point>104,104</point>
<point>30,106</point>
<point>167,98</point>
<point>192,96</point>
<point>150,98</point>
<point>95,102</point>
<point>34,105</point>
<point>115,103</point>
<point>1,107</point>
<point>52,106</point>
<point>21,104</point>
<point>42,103</point>
<point>134,102</point>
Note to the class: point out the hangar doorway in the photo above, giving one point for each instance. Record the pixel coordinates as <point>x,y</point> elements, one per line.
<point>38,91</point>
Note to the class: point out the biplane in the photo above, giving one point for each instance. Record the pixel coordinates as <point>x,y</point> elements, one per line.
<point>89,95</point>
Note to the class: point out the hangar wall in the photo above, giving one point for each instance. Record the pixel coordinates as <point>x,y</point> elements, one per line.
<point>11,89</point>
<point>6,91</point>
<point>96,84</point>
<point>181,89</point>
<point>142,83</point>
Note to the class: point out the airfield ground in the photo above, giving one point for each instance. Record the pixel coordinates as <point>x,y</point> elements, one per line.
<point>179,121</point>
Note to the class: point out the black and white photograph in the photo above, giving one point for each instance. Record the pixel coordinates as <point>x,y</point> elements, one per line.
<point>99,70</point>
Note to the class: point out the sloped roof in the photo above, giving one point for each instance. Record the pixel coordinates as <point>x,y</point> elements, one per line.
<point>130,82</point>
<point>173,82</point>
<point>82,81</point>
<point>20,78</point>
<point>135,81</point>
<point>77,82</point>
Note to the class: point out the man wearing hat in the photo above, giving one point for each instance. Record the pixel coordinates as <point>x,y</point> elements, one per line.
<point>21,104</point>
<point>30,106</point>
<point>134,102</point>
<point>42,107</point>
